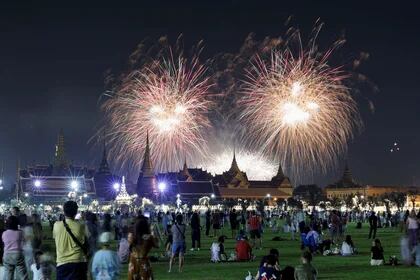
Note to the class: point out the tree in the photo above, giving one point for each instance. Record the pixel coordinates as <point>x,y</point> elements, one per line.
<point>412,195</point>
<point>294,203</point>
<point>398,199</point>
<point>335,202</point>
<point>348,200</point>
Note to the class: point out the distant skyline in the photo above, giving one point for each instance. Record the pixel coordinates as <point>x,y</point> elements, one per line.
<point>53,59</point>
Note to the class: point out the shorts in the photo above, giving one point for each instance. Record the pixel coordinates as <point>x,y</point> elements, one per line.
<point>178,248</point>
<point>255,233</point>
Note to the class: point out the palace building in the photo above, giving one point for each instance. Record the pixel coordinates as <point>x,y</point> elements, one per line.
<point>193,183</point>
<point>56,182</point>
<point>346,186</point>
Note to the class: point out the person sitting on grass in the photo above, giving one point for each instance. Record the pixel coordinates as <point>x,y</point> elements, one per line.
<point>105,264</point>
<point>218,250</point>
<point>265,260</point>
<point>241,235</point>
<point>377,253</point>
<point>347,249</point>
<point>270,270</point>
<point>306,271</point>
<point>243,250</point>
<point>273,252</point>
<point>312,240</point>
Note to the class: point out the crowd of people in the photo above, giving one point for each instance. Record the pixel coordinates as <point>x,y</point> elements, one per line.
<point>84,241</point>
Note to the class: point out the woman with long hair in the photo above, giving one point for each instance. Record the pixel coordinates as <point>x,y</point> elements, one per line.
<point>143,240</point>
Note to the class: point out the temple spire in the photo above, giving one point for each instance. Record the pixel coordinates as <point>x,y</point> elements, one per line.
<point>60,151</point>
<point>104,166</point>
<point>234,168</point>
<point>185,174</point>
<point>347,175</point>
<point>147,167</point>
<point>280,173</point>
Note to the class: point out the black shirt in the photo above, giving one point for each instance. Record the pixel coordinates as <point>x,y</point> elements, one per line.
<point>377,253</point>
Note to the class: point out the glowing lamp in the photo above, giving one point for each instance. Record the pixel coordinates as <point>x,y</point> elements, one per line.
<point>74,184</point>
<point>162,186</point>
<point>212,195</point>
<point>37,183</point>
<point>116,186</point>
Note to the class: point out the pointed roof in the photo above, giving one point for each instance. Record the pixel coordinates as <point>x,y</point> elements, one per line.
<point>147,167</point>
<point>123,197</point>
<point>234,168</point>
<point>185,174</point>
<point>60,151</point>
<point>104,167</point>
<point>279,177</point>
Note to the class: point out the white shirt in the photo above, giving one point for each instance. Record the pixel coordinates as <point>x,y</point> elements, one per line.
<point>36,272</point>
<point>346,249</point>
<point>412,223</point>
<point>215,250</point>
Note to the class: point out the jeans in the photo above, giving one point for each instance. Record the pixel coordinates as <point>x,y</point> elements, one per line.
<point>12,261</point>
<point>72,271</point>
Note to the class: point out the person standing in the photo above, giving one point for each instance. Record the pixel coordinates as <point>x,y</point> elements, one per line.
<point>373,225</point>
<point>195,231</point>
<point>412,228</point>
<point>306,271</point>
<point>178,245</point>
<point>69,237</point>
<point>142,242</point>
<point>13,253</point>
<point>254,229</point>
<point>233,220</point>
<point>216,220</point>
<point>208,222</point>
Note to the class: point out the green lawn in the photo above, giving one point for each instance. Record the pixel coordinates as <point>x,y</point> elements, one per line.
<point>198,265</point>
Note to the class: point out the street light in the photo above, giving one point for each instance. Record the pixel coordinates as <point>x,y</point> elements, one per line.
<point>116,186</point>
<point>74,185</point>
<point>212,195</point>
<point>268,195</point>
<point>85,195</point>
<point>26,194</point>
<point>37,183</point>
<point>162,186</point>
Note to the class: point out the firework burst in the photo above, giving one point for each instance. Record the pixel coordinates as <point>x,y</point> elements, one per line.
<point>298,110</point>
<point>168,99</point>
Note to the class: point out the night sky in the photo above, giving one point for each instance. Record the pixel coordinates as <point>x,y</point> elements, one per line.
<point>53,59</point>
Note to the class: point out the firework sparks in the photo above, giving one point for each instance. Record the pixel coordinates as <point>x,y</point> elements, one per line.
<point>256,166</point>
<point>168,99</point>
<point>298,110</point>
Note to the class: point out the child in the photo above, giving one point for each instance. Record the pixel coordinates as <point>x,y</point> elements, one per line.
<point>305,270</point>
<point>347,249</point>
<point>377,256</point>
<point>218,250</point>
<point>43,267</point>
<point>36,267</point>
<point>105,264</point>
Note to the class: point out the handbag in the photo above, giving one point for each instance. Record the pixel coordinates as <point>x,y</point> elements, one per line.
<point>84,246</point>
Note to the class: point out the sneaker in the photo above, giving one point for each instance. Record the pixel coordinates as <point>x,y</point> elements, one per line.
<point>198,249</point>
<point>192,249</point>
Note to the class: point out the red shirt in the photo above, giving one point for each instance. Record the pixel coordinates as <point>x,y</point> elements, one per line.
<point>254,223</point>
<point>243,250</point>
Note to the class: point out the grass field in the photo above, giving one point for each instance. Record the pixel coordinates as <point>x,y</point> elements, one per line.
<point>198,265</point>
